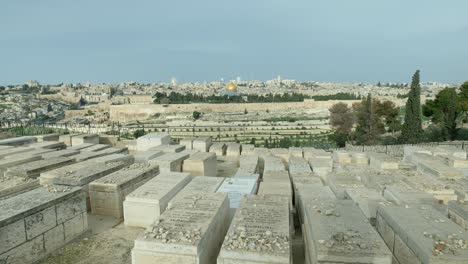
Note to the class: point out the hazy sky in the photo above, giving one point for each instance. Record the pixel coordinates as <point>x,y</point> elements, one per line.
<point>56,41</point>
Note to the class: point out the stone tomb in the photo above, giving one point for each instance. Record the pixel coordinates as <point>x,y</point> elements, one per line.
<point>247,149</point>
<point>458,212</point>
<point>146,156</point>
<point>236,188</point>
<point>95,148</point>
<point>202,144</point>
<point>296,152</point>
<point>49,145</point>
<point>248,163</point>
<point>67,139</point>
<point>81,146</point>
<point>60,153</point>
<point>170,162</point>
<point>35,223</point>
<point>35,168</point>
<point>201,164</point>
<point>12,151</point>
<point>337,232</point>
<point>191,232</point>
<point>145,204</point>
<point>18,141</point>
<point>341,156</point>
<point>199,185</point>
<point>11,162</point>
<point>187,142</point>
<point>108,193</point>
<point>233,150</point>
<point>85,138</point>
<point>169,148</point>
<point>259,233</point>
<point>273,163</point>
<point>47,137</point>
<point>152,140</point>
<point>35,152</point>
<point>16,185</point>
<point>381,161</point>
<point>281,153</point>
<point>367,200</point>
<point>218,148</point>
<point>420,234</point>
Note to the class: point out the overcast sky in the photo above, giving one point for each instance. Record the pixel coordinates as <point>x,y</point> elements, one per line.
<point>56,41</point>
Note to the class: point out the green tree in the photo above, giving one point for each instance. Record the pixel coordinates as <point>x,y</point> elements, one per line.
<point>49,108</point>
<point>139,133</point>
<point>196,115</point>
<point>463,99</point>
<point>445,111</point>
<point>412,131</point>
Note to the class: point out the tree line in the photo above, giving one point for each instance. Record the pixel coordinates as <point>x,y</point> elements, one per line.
<point>374,121</point>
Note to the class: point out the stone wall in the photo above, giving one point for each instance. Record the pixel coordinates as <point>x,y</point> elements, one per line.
<point>141,112</point>
<point>397,150</point>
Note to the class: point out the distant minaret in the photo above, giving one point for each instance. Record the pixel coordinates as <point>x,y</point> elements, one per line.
<point>278,78</point>
<point>238,79</point>
<point>173,81</point>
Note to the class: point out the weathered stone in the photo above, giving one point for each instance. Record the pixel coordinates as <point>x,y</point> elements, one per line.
<point>422,234</point>
<point>248,163</point>
<point>367,200</point>
<point>11,162</point>
<point>81,146</point>
<point>343,234</point>
<point>187,142</point>
<point>233,150</point>
<point>108,193</point>
<point>60,153</point>
<point>218,148</point>
<point>259,232</point>
<point>383,162</point>
<point>47,137</point>
<point>83,173</point>
<point>273,163</point>
<point>35,152</point>
<point>190,232</point>
<point>168,148</point>
<point>403,196</point>
<point>458,212</point>
<point>67,138</point>
<point>95,147</point>
<point>296,152</point>
<point>199,185</point>
<point>49,145</point>
<point>145,204</point>
<point>340,181</point>
<point>343,157</point>
<point>12,151</point>
<point>84,138</point>
<point>201,164</point>
<point>202,144</point>
<point>146,156</point>
<point>247,149</point>
<point>35,168</point>
<point>18,141</point>
<point>236,188</point>
<point>152,140</point>
<point>171,162</point>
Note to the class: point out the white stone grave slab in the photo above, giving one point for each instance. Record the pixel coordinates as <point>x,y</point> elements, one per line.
<point>152,140</point>
<point>201,164</point>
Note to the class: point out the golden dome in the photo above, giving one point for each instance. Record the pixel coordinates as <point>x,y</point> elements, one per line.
<point>231,87</point>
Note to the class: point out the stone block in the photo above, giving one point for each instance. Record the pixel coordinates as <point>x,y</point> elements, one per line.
<point>81,146</point>
<point>49,145</point>
<point>28,252</point>
<point>187,142</point>
<point>13,151</point>
<point>249,163</point>
<point>75,227</point>
<point>236,188</point>
<point>84,138</point>
<point>12,162</point>
<point>458,212</point>
<point>60,153</point>
<point>191,231</point>
<point>296,152</point>
<point>342,157</point>
<point>168,148</point>
<point>67,138</point>
<point>218,148</point>
<point>108,193</point>
<point>258,222</point>
<point>144,205</point>
<point>35,168</point>
<point>152,140</point>
<point>198,185</point>
<point>40,222</point>
<point>18,141</point>
<point>424,235</point>
<point>233,150</point>
<point>16,185</point>
<point>12,235</point>
<point>95,147</point>
<point>202,144</point>
<point>145,156</point>
<point>70,208</point>
<point>367,200</point>
<point>382,161</point>
<point>247,149</point>
<point>343,236</point>
<point>171,162</point>
<point>54,238</point>
<point>47,137</point>
<point>281,153</point>
<point>201,164</point>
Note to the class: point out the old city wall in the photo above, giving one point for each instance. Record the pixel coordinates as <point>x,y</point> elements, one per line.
<point>129,112</point>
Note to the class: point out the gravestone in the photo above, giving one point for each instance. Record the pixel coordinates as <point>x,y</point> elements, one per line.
<point>171,162</point>
<point>152,140</point>
<point>202,144</point>
<point>201,164</point>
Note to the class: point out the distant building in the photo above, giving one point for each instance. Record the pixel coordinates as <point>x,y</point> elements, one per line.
<point>230,90</point>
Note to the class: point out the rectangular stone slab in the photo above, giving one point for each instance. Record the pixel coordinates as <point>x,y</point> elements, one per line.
<point>218,148</point>
<point>108,193</point>
<point>171,162</point>
<point>60,153</point>
<point>123,158</point>
<point>236,188</point>
<point>95,147</point>
<point>144,205</point>
<point>458,212</point>
<point>420,229</point>
<point>191,232</point>
<point>259,232</point>
<point>305,194</point>
<point>247,149</point>
<point>81,146</point>
<point>152,140</point>
<point>17,150</point>
<point>83,173</point>
<point>383,162</point>
<point>35,152</point>
<point>85,138</point>
<point>273,163</point>
<point>197,185</point>
<point>187,142</point>
<point>202,144</point>
<point>35,168</point>
<point>337,232</point>
<point>145,156</point>
<point>168,148</point>
<point>248,163</point>
<point>16,185</point>
<point>11,162</point>
<point>47,137</point>
<point>201,164</point>
<point>49,145</point>
<point>233,150</point>
<point>367,200</point>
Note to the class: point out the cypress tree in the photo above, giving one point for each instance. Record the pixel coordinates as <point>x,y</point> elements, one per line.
<point>412,131</point>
